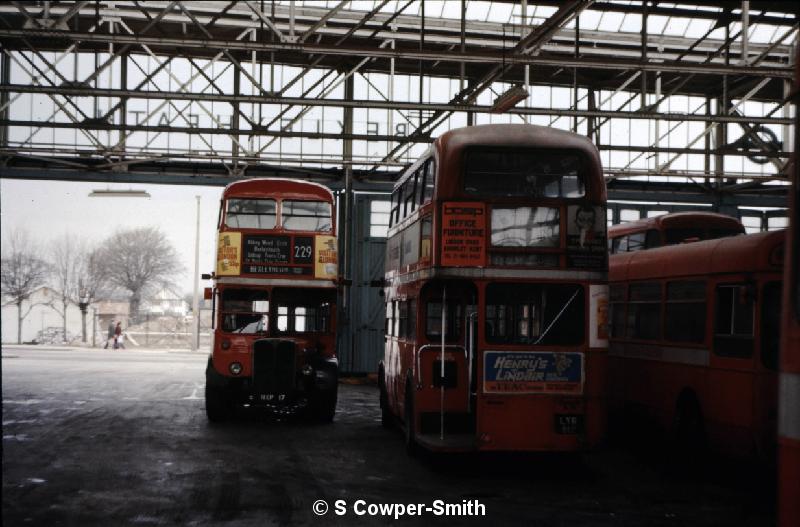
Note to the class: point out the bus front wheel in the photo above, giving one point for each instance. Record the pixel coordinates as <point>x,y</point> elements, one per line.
<point>217,405</point>
<point>410,430</point>
<point>386,414</point>
<point>324,406</point>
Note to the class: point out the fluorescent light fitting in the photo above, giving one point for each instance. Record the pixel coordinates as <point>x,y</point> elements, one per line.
<point>108,193</point>
<point>509,99</point>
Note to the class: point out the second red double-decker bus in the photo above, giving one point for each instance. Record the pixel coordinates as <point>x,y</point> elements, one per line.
<point>274,300</point>
<point>496,293</point>
<point>789,392</point>
<point>671,229</point>
<point>694,342</point>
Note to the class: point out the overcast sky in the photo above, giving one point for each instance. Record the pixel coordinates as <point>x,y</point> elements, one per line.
<point>48,209</point>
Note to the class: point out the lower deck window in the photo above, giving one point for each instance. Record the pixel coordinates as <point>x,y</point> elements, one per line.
<point>644,311</point>
<point>245,310</point>
<point>303,311</point>
<point>733,327</point>
<point>547,314</point>
<point>452,319</point>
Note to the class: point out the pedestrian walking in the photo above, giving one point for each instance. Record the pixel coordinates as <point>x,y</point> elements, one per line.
<point>110,335</point>
<point>118,336</point>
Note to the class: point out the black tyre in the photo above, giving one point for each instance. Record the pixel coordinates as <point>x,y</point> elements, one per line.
<point>387,419</point>
<point>324,406</point>
<point>688,433</point>
<point>218,407</point>
<point>410,428</point>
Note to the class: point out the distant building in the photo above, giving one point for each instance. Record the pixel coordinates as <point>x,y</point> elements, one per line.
<point>109,311</point>
<point>42,319</point>
<point>165,302</point>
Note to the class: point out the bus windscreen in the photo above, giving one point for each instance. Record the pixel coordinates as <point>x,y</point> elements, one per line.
<point>530,173</point>
<point>306,215</point>
<point>251,213</point>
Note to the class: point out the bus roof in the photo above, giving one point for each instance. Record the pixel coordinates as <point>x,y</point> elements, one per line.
<point>747,253</point>
<point>677,220</point>
<point>283,188</point>
<point>450,145</point>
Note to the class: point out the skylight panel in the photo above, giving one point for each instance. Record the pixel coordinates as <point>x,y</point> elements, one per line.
<point>696,28</point>
<point>656,24</point>
<point>611,21</point>
<point>590,19</point>
<point>761,33</point>
<point>500,12</point>
<point>478,10</point>
<point>631,23</point>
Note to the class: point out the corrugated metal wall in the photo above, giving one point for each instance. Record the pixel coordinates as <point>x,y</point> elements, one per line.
<point>361,336</point>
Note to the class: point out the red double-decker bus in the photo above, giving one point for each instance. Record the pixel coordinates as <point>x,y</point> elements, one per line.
<point>671,229</point>
<point>694,342</point>
<point>274,300</point>
<point>496,293</point>
<point>789,404</point>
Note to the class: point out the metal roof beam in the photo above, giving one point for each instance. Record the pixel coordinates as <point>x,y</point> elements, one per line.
<point>509,58</point>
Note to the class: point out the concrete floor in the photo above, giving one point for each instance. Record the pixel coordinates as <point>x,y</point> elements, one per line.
<point>93,437</point>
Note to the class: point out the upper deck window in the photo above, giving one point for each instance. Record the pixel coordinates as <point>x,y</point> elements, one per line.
<point>251,213</point>
<point>306,215</point>
<point>525,227</point>
<point>493,172</point>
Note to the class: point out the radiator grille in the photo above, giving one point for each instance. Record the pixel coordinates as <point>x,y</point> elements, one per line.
<point>273,367</point>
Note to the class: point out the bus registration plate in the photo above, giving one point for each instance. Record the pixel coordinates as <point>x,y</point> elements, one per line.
<point>567,424</point>
<point>533,372</point>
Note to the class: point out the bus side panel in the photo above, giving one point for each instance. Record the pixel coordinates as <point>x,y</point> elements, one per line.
<point>729,410</point>
<point>525,423</point>
<point>596,390</point>
<point>652,388</point>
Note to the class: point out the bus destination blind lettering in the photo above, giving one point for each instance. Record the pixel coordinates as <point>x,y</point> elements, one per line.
<point>276,254</point>
<point>533,372</point>
<point>267,249</point>
<point>463,234</point>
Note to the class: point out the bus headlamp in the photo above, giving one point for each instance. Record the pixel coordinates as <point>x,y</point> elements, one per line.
<point>235,368</point>
<point>307,370</point>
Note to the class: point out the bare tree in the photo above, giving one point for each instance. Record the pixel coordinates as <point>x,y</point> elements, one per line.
<point>77,277</point>
<point>65,255</point>
<point>92,277</point>
<point>23,272</point>
<point>138,260</point>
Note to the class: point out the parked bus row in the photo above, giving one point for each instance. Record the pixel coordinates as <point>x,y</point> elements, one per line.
<point>497,305</point>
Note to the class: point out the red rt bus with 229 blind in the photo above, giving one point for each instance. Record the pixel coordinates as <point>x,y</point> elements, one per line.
<point>274,298</point>
<point>496,292</point>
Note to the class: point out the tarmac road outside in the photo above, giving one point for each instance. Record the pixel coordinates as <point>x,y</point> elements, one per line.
<point>104,437</point>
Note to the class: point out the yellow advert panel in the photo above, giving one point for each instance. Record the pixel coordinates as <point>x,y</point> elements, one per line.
<point>229,254</point>
<point>326,257</point>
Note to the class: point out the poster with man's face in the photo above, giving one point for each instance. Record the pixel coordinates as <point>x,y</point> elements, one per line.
<point>586,236</point>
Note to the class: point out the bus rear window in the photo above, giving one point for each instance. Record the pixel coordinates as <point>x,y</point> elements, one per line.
<point>546,314</point>
<point>250,213</point>
<point>491,172</point>
<point>306,215</point>
<point>525,227</point>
